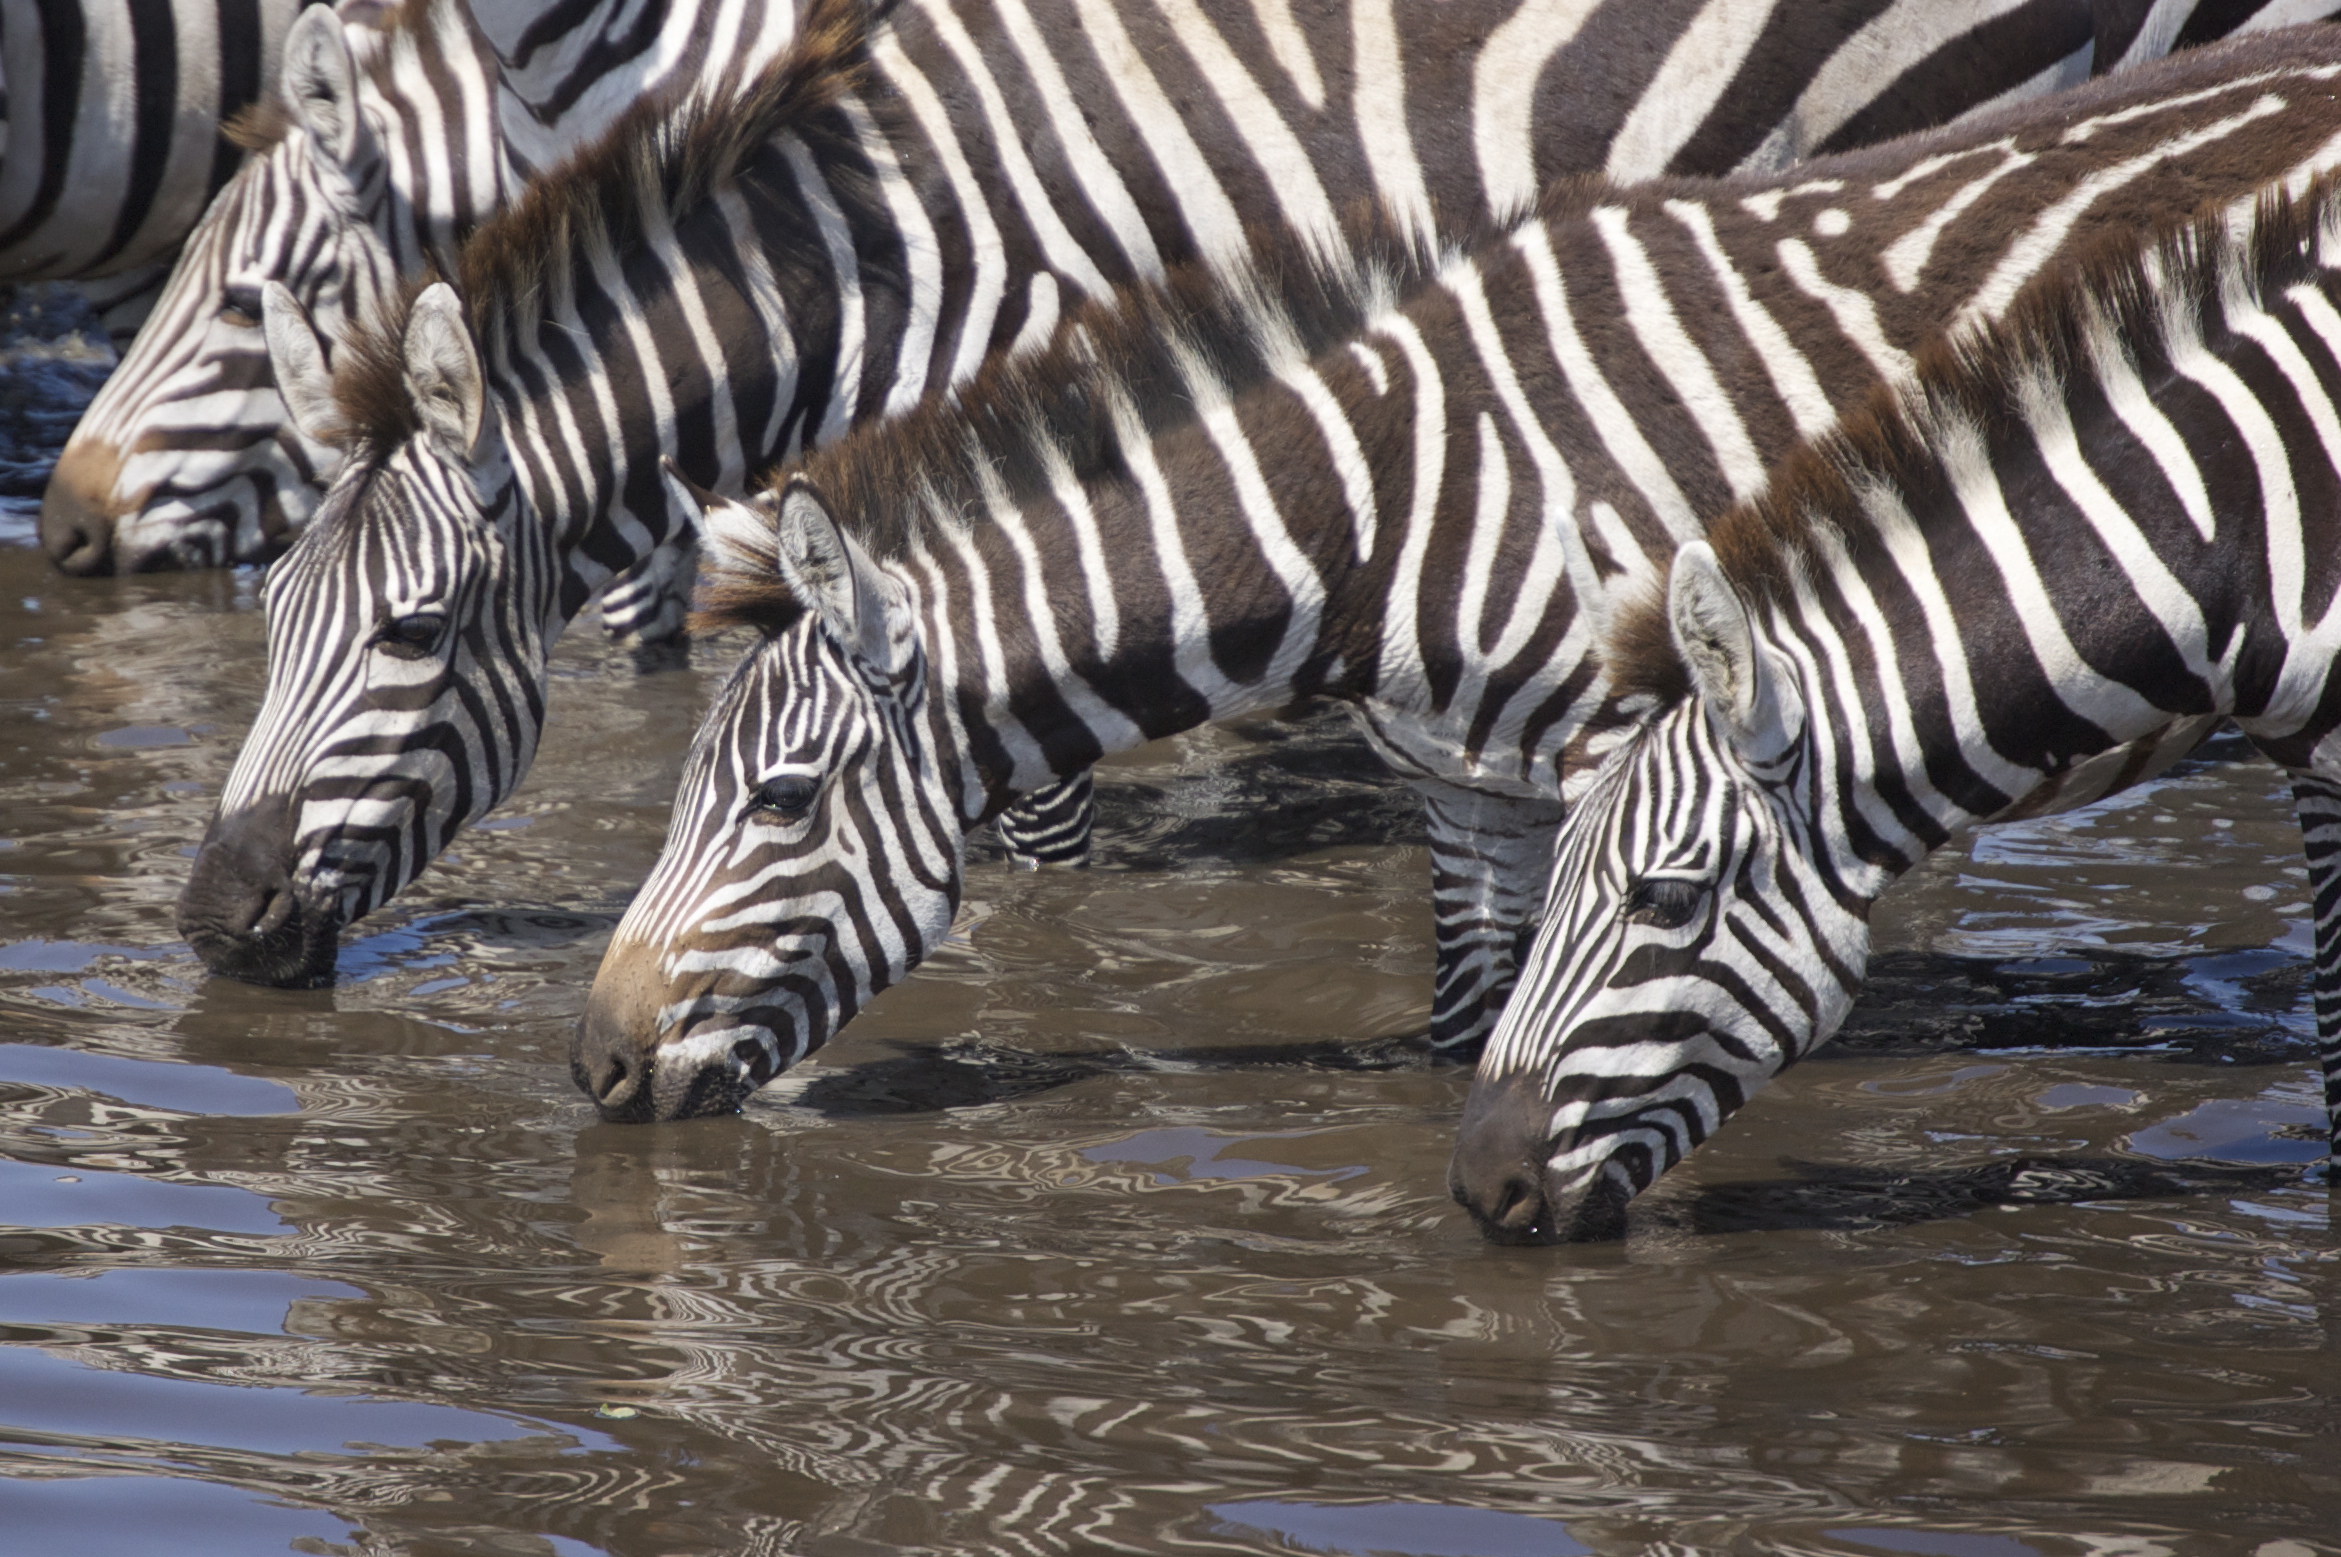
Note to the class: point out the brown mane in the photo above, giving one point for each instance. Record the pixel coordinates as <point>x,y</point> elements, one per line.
<point>2121,286</point>
<point>664,155</point>
<point>1156,354</point>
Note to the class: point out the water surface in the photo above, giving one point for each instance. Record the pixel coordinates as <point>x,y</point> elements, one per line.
<point>1123,1226</point>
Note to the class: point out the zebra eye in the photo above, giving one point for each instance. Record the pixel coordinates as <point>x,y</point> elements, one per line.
<point>411,637</point>
<point>787,797</point>
<point>240,306</point>
<point>1664,902</point>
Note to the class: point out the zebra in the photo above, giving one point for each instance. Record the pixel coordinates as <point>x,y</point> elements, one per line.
<point>1415,489</point>
<point>111,117</point>
<point>186,458</point>
<point>388,142</point>
<point>115,155</point>
<point>921,236</point>
<point>2105,513</point>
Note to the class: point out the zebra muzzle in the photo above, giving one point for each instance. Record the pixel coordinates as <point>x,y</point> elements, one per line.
<point>1502,1172</point>
<point>242,913</point>
<point>77,509</point>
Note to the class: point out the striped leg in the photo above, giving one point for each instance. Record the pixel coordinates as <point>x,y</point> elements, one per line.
<point>1050,826</point>
<point>2319,803</point>
<point>1490,857</point>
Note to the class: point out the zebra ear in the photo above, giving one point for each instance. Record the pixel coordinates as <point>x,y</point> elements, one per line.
<point>835,578</point>
<point>737,540</point>
<point>443,371</point>
<point>1741,680</point>
<point>320,83</point>
<point>297,358</point>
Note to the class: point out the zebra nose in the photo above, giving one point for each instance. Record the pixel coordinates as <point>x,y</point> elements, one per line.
<point>609,1069</point>
<point>1497,1173</point>
<point>241,913</point>
<point>613,1055</point>
<point>77,518</point>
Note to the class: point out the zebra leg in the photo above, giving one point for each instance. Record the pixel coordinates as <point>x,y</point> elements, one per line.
<point>648,606</point>
<point>1490,858</point>
<point>2318,801</point>
<point>1050,826</point>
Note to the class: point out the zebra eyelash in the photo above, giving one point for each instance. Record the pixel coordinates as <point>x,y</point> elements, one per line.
<point>1665,902</point>
<point>784,797</point>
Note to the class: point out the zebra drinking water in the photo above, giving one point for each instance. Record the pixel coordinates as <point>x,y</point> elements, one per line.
<point>1413,487</point>
<point>861,248</point>
<point>2080,540</point>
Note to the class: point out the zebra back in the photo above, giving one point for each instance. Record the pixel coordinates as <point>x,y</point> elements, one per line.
<point>1547,88</point>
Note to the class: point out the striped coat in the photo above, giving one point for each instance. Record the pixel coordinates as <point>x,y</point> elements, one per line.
<point>1421,490</point>
<point>873,248</point>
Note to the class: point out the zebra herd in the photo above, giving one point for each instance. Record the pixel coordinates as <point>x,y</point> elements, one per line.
<point>1716,448</point>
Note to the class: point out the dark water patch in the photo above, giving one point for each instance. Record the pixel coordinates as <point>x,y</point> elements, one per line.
<point>2234,1009</point>
<point>1400,1529</point>
<point>1844,1197</point>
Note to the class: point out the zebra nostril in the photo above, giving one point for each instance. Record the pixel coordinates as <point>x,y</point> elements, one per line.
<point>275,909</point>
<point>1519,1204</point>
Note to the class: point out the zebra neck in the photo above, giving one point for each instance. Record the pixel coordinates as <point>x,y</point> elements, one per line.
<point>2066,562</point>
<point>1061,631</point>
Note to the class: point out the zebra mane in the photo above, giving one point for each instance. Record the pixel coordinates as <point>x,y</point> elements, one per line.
<point>1122,370</point>
<point>661,158</point>
<point>2120,296</point>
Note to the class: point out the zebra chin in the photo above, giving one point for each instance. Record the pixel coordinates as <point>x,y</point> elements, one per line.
<point>1503,1172</point>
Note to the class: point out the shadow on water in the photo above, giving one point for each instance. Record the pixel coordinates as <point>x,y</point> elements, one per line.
<point>2174,1009</point>
<point>1836,1198</point>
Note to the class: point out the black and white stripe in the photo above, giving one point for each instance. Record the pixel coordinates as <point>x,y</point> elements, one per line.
<point>168,470</point>
<point>997,168</point>
<point>386,144</point>
<point>1418,488</point>
<point>2041,575</point>
<point>112,150</point>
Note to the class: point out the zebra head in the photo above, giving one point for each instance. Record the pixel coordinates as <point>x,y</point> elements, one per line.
<point>405,660</point>
<point>186,458</point>
<point>1696,940</point>
<point>815,850</point>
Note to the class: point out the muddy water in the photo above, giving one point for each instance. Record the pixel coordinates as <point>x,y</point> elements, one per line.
<point>1122,1226</point>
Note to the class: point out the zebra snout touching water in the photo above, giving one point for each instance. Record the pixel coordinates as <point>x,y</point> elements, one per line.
<point>2038,576</point>
<point>1413,481</point>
